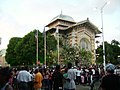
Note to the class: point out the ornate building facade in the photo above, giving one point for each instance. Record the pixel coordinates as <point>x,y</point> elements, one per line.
<point>2,58</point>
<point>81,33</point>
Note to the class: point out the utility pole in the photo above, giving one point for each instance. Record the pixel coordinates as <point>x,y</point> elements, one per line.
<point>44,34</point>
<point>36,47</point>
<point>104,61</point>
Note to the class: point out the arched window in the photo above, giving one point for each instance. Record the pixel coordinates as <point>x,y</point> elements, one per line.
<point>85,44</point>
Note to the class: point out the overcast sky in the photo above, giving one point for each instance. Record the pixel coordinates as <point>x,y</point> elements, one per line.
<point>19,17</point>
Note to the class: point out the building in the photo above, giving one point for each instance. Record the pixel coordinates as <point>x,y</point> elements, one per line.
<point>3,62</point>
<point>81,33</point>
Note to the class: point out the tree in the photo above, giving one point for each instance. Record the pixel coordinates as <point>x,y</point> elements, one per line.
<point>84,56</point>
<point>68,53</point>
<point>114,42</point>
<point>11,55</point>
<point>22,51</point>
<point>111,52</point>
<point>51,48</point>
<point>76,54</point>
<point>116,51</point>
<point>26,48</point>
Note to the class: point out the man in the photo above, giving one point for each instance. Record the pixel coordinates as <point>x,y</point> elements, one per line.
<point>24,77</point>
<point>110,81</point>
<point>78,78</point>
<point>38,80</point>
<point>57,79</point>
<point>75,70</point>
<point>71,77</point>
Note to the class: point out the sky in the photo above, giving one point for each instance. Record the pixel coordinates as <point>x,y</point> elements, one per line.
<point>19,17</point>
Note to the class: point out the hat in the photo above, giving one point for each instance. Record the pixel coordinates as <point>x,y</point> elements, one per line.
<point>110,67</point>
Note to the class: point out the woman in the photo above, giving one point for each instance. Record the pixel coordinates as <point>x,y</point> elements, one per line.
<point>38,80</point>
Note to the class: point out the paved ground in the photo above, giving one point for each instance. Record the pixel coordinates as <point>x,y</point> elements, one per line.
<point>81,87</point>
<point>86,87</point>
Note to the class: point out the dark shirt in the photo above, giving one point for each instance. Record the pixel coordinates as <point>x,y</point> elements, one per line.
<point>57,78</point>
<point>110,82</point>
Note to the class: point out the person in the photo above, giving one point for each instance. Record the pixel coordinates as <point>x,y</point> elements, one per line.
<point>110,81</point>
<point>78,76</point>
<point>38,80</point>
<point>65,84</point>
<point>71,77</point>
<point>57,79</point>
<point>50,79</point>
<point>4,79</point>
<point>94,78</point>
<point>24,77</point>
<point>46,79</point>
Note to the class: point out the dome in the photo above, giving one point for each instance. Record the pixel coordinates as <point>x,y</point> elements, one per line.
<point>63,17</point>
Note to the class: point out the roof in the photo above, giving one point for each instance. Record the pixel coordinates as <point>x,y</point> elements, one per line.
<point>97,31</point>
<point>63,17</point>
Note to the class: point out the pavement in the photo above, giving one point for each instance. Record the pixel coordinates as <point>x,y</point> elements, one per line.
<point>86,87</point>
<point>82,87</point>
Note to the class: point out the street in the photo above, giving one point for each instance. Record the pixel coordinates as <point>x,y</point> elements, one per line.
<point>81,87</point>
<point>86,87</point>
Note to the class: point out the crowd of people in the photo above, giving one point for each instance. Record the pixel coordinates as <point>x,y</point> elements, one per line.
<point>58,77</point>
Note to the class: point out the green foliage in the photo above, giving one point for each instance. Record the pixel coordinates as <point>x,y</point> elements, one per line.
<point>86,57</point>
<point>51,48</point>
<point>11,55</point>
<point>25,49</point>
<point>51,43</point>
<point>112,51</point>
<point>76,54</point>
<point>22,51</point>
<point>68,53</point>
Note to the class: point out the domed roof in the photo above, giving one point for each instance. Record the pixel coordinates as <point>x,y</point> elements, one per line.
<point>63,17</point>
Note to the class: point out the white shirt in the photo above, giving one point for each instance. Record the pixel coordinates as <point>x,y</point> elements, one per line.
<point>78,72</point>
<point>72,76</point>
<point>75,70</point>
<point>24,76</point>
<point>93,70</point>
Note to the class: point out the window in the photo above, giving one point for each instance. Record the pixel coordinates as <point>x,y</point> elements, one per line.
<point>84,44</point>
